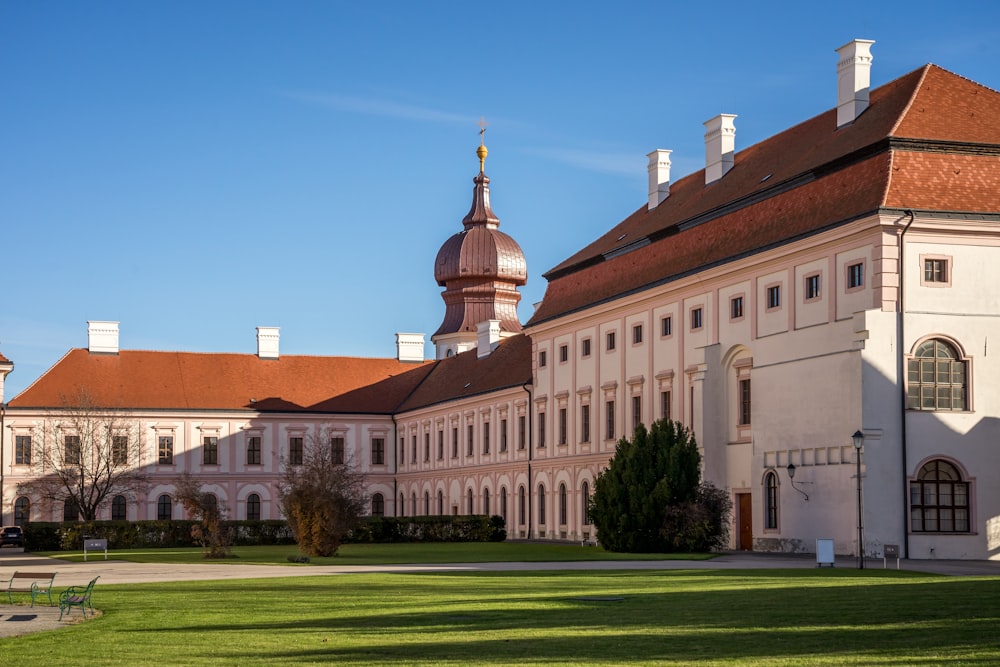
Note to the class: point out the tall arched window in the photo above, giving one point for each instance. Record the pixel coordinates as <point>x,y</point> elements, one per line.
<point>71,511</point>
<point>562,504</point>
<point>164,508</point>
<point>253,507</point>
<point>427,503</point>
<point>771,500</point>
<point>413,503</point>
<point>937,377</point>
<point>378,505</point>
<point>22,511</point>
<point>585,510</point>
<point>939,500</point>
<point>440,503</point>
<point>503,503</point>
<point>470,502</point>
<point>541,504</point>
<point>521,506</point>
<point>119,508</point>
<point>486,502</point>
<point>402,505</point>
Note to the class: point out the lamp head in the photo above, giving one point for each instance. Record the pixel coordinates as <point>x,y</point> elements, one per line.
<point>791,471</point>
<point>859,439</point>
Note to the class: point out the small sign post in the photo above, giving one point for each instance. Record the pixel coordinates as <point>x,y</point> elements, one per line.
<point>95,545</point>
<point>890,551</point>
<point>824,553</point>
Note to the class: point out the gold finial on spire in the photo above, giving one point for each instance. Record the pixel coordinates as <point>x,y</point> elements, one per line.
<point>481,151</point>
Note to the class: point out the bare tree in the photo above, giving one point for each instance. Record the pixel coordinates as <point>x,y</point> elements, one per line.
<point>322,495</point>
<point>86,455</point>
<point>211,532</point>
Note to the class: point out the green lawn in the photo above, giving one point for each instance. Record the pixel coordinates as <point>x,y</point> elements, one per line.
<point>714,617</point>
<point>381,554</point>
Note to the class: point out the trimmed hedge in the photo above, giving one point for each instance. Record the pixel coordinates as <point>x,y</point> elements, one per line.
<point>69,536</point>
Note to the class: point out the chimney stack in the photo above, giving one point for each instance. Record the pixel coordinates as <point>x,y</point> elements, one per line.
<point>720,146</point>
<point>267,342</point>
<point>409,347</point>
<point>488,335</point>
<point>854,68</point>
<point>659,177</point>
<point>102,337</point>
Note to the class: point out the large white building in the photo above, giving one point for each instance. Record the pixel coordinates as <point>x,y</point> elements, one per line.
<point>838,277</point>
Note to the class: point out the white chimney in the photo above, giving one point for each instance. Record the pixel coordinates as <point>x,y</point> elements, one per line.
<point>488,335</point>
<point>720,146</point>
<point>659,177</point>
<point>409,347</point>
<point>267,342</point>
<point>102,337</point>
<point>854,69</point>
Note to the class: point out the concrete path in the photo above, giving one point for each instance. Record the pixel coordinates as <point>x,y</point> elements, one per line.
<point>21,619</point>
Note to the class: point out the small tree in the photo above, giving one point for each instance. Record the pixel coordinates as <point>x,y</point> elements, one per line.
<point>86,455</point>
<point>656,470</point>
<point>323,497</point>
<point>211,532</point>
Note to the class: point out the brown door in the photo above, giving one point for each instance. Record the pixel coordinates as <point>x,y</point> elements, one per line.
<point>744,520</point>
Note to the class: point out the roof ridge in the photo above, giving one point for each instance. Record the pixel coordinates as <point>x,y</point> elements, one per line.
<point>913,96</point>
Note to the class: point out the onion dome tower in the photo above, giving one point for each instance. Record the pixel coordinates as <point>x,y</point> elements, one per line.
<point>480,268</point>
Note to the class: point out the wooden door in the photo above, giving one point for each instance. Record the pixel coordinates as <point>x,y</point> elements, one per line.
<point>744,522</point>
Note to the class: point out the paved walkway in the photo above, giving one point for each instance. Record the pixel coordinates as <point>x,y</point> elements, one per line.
<point>20,619</point>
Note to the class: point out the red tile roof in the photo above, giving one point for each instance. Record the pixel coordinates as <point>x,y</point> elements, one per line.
<point>801,181</point>
<point>201,381</point>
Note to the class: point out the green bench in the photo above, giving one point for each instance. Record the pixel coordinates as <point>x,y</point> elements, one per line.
<point>36,583</point>
<point>77,596</point>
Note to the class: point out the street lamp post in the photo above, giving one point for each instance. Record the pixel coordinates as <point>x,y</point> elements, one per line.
<point>859,440</point>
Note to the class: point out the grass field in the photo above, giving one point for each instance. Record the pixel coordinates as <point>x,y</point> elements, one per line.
<point>704,617</point>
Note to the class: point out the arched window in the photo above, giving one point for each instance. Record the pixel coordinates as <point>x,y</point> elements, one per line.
<point>503,503</point>
<point>520,506</point>
<point>402,505</point>
<point>771,501</point>
<point>939,500</point>
<point>212,501</point>
<point>22,511</point>
<point>378,505</point>
<point>413,503</point>
<point>253,507</point>
<point>486,502</point>
<point>541,504</point>
<point>470,501</point>
<point>71,511</point>
<point>562,504</point>
<point>427,503</point>
<point>440,503</point>
<point>164,508</point>
<point>937,377</point>
<point>118,508</point>
<point>585,510</point>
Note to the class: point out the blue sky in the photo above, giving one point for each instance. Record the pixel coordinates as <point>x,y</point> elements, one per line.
<point>196,169</point>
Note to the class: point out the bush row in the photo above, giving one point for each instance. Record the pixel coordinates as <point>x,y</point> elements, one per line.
<point>69,536</point>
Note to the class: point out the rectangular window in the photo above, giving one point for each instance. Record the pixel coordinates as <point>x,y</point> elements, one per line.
<point>696,322</point>
<point>440,444</point>
<point>562,426</point>
<point>210,450</point>
<point>454,442</point>
<point>774,296</point>
<point>542,358</point>
<point>935,270</point>
<point>427,447</point>
<point>22,450</point>
<point>667,326</point>
<point>665,404</point>
<point>564,353</point>
<point>296,451</point>
<point>855,275</point>
<point>610,341</point>
<point>71,450</point>
<point>378,451</point>
<point>402,449</point>
<point>585,347</point>
<point>413,450</point>
<point>736,308</point>
<point>470,438</point>
<point>486,438</point>
<point>119,450</point>
<point>636,411</point>
<point>585,423</point>
<point>744,416</point>
<point>812,287</point>
<point>541,430</point>
<point>165,450</point>
<point>609,420</point>
<point>503,435</point>
<point>337,447</point>
<point>636,334</point>
<point>253,450</point>
<point>522,431</point>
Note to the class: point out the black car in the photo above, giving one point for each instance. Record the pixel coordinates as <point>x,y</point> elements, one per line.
<point>11,536</point>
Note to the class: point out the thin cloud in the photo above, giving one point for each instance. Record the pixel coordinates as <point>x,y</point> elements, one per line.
<point>376,107</point>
